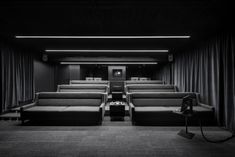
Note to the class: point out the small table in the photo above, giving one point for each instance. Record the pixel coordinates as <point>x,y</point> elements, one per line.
<point>117,96</point>
<point>117,110</point>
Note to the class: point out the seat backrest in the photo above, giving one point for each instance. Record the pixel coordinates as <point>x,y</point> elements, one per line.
<point>97,79</point>
<point>134,78</point>
<point>69,99</point>
<point>89,78</point>
<point>143,78</point>
<point>83,88</point>
<point>149,88</point>
<point>160,99</point>
<point>143,82</point>
<point>89,82</point>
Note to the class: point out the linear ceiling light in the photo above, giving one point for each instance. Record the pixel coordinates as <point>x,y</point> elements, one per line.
<point>107,51</point>
<point>104,37</point>
<point>110,63</point>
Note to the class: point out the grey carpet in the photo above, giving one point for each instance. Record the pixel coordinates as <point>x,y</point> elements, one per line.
<point>111,139</point>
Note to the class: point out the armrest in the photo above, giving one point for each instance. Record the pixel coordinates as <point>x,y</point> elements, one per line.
<point>131,105</point>
<point>105,97</point>
<point>201,104</point>
<point>131,111</point>
<point>128,97</point>
<point>27,106</point>
<point>206,106</point>
<point>102,110</point>
<point>102,105</point>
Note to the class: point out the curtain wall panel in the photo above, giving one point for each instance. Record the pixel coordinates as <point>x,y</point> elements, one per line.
<point>210,71</point>
<point>16,77</point>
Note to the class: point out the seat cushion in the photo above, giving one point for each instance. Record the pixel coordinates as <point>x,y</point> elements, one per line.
<point>201,109</point>
<point>82,109</point>
<point>46,108</point>
<point>155,109</point>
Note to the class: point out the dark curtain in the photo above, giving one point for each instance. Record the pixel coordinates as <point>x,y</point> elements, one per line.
<point>165,73</point>
<point>210,71</point>
<point>16,77</point>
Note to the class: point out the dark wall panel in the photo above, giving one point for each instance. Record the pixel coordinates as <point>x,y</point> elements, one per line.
<point>62,74</point>
<point>148,71</point>
<point>94,71</point>
<point>44,76</point>
<point>74,72</point>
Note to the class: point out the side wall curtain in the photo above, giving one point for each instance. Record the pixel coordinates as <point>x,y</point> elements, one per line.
<point>16,77</point>
<point>210,71</point>
<point>166,74</point>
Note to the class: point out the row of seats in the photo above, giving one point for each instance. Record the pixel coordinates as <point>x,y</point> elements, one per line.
<point>155,103</point>
<point>158,108</point>
<point>84,108</point>
<point>81,101</point>
<point>149,102</point>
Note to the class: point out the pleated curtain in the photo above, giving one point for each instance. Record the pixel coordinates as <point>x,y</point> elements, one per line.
<point>210,71</point>
<point>17,79</point>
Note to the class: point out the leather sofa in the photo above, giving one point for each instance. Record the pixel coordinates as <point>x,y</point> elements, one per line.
<point>157,108</point>
<point>82,108</point>
<point>85,82</point>
<point>148,88</point>
<point>100,88</point>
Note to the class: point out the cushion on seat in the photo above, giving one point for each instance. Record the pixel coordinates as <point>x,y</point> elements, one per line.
<point>156,102</point>
<point>155,109</point>
<point>82,108</point>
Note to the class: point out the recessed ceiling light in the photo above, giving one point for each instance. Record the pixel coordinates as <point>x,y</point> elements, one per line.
<point>152,51</point>
<point>105,37</point>
<point>111,63</point>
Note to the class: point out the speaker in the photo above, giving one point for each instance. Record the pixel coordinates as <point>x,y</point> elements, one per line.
<point>45,57</point>
<point>170,57</point>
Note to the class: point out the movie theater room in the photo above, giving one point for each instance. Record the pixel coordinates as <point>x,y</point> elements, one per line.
<point>117,78</point>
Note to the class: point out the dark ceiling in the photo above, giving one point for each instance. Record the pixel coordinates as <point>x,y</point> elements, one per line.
<point>197,18</point>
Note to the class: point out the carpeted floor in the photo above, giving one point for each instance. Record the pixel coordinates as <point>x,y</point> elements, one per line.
<point>112,139</point>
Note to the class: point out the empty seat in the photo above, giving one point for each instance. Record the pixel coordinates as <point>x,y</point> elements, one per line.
<point>78,107</point>
<point>100,88</point>
<point>157,108</point>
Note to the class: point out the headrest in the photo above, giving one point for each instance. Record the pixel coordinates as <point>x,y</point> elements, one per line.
<point>69,95</point>
<point>150,86</point>
<point>144,82</point>
<point>82,86</point>
<point>162,94</point>
<point>88,82</point>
